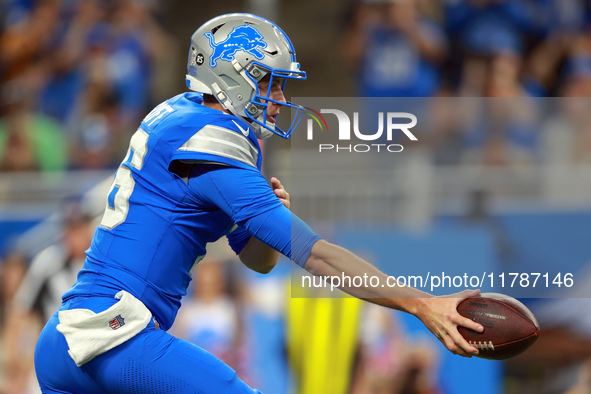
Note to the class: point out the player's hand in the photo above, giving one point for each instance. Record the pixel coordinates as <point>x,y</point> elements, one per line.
<point>441,317</point>
<point>280,192</point>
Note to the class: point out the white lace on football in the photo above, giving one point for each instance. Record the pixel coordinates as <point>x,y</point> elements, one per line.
<point>482,345</point>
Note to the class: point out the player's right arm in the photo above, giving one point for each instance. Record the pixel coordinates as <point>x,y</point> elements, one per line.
<point>439,314</point>
<point>247,198</point>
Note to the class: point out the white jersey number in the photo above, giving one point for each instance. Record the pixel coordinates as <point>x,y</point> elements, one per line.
<point>123,184</point>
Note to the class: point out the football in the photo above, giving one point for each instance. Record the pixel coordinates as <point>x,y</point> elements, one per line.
<point>509,327</point>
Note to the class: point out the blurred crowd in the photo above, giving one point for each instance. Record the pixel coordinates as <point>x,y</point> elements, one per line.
<point>514,52</point>
<point>77,76</point>
<point>470,48</point>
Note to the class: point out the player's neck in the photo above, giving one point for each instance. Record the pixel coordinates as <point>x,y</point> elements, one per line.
<point>217,106</point>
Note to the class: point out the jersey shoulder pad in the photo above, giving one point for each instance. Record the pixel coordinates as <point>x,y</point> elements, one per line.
<point>225,139</point>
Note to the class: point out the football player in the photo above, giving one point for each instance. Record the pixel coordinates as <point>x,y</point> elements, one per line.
<point>192,174</point>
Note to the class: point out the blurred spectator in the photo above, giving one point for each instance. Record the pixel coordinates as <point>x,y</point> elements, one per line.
<point>444,129</point>
<point>503,132</point>
<point>27,38</point>
<point>54,270</point>
<point>209,319</point>
<point>487,26</point>
<point>128,64</point>
<point>51,273</point>
<point>567,130</point>
<point>503,79</point>
<point>389,362</point>
<point>562,355</point>
<point>559,16</point>
<point>14,11</point>
<point>397,49</point>
<point>93,128</point>
<point>262,308</point>
<point>18,153</point>
<point>496,75</point>
<point>541,68</point>
<point>480,213</point>
<point>577,75</point>
<point>28,140</point>
<point>88,64</point>
<point>583,380</point>
<point>567,133</point>
<point>12,272</point>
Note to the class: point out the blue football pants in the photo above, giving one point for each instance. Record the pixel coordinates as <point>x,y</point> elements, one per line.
<point>151,362</point>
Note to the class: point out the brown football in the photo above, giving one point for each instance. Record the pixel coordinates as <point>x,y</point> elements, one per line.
<point>509,327</point>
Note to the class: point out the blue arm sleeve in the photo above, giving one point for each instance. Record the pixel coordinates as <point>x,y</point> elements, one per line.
<point>238,239</point>
<point>245,196</point>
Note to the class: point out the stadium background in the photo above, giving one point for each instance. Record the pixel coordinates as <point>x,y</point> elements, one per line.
<point>77,76</point>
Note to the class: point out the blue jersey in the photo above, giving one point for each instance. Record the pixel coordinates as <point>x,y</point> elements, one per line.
<point>158,220</point>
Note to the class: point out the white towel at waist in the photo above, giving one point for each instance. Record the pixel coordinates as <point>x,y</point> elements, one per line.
<point>90,334</point>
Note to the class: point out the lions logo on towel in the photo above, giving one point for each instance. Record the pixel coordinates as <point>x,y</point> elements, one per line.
<point>242,38</point>
<point>116,322</point>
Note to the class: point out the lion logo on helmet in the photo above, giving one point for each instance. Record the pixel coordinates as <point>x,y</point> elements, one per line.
<point>242,38</point>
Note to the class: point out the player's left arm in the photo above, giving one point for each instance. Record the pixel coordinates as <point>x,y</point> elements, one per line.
<point>260,211</point>
<point>256,255</point>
